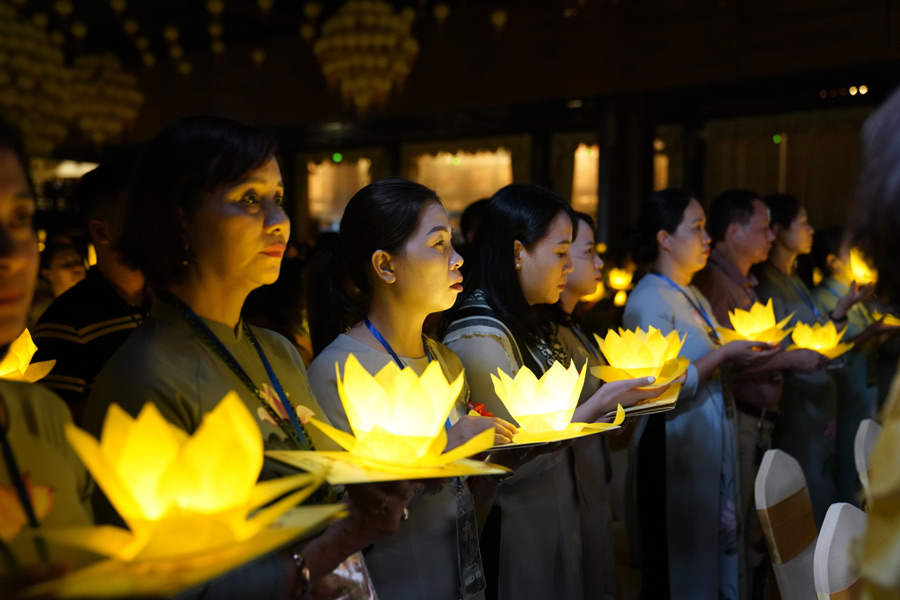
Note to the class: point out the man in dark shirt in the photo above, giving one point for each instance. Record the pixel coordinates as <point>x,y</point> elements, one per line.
<point>84,326</point>
<point>738,224</point>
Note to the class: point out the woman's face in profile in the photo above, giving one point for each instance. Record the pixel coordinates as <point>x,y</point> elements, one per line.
<point>690,244</point>
<point>239,234</point>
<point>427,271</point>
<point>18,247</point>
<point>798,238</point>
<point>544,268</point>
<point>587,266</point>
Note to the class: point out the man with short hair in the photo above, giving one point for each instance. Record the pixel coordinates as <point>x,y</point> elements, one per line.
<point>84,326</point>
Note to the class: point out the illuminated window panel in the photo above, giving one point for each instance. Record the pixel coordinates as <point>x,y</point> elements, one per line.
<point>330,187</point>
<point>463,177</point>
<point>586,179</point>
<point>660,165</point>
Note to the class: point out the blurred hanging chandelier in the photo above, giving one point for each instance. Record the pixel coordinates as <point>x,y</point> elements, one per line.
<point>105,97</point>
<point>366,50</point>
<point>33,83</point>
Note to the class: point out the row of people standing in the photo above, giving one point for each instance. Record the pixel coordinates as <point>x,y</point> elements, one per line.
<point>205,226</point>
<point>703,456</point>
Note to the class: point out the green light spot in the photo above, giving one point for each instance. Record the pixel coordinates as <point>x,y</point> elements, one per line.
<point>776,138</point>
<point>455,161</point>
<point>337,157</point>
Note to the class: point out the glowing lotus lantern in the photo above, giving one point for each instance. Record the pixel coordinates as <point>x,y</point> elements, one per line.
<point>398,417</point>
<point>863,273</point>
<point>633,354</point>
<point>543,408</point>
<point>598,293</point>
<point>181,495</point>
<point>756,325</point>
<point>620,280</point>
<point>824,339</point>
<point>889,320</point>
<point>16,365</point>
<point>12,515</point>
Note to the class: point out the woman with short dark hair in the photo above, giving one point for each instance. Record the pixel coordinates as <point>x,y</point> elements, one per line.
<point>36,455</point>
<point>205,222</point>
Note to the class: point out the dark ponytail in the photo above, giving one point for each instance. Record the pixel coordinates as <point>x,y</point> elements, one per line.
<point>381,216</point>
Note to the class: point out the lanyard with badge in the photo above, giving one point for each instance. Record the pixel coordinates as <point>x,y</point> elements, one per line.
<point>696,305</point>
<point>471,572</point>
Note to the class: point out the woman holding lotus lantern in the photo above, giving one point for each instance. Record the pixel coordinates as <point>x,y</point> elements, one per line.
<point>805,427</point>
<point>688,455</point>
<point>42,482</point>
<point>397,258</point>
<point>522,264</point>
<point>592,460</point>
<point>205,224</point>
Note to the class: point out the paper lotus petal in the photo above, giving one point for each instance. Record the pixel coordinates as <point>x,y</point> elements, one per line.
<point>862,271</point>
<point>756,325</point>
<point>824,339</point>
<point>16,365</point>
<point>572,430</point>
<point>544,404</point>
<point>619,279</point>
<point>542,408</point>
<point>398,417</point>
<point>181,495</point>
<point>637,353</point>
<point>12,514</point>
<point>889,320</point>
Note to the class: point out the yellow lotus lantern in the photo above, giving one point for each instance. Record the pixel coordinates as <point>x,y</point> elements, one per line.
<point>181,495</point>
<point>16,365</point>
<point>597,295</point>
<point>756,325</point>
<point>633,354</point>
<point>886,319</point>
<point>619,279</point>
<point>543,408</point>
<point>824,339</point>
<point>398,417</point>
<point>860,268</point>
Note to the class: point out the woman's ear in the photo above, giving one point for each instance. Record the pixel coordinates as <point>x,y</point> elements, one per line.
<point>518,253</point>
<point>99,232</point>
<point>664,239</point>
<point>384,268</point>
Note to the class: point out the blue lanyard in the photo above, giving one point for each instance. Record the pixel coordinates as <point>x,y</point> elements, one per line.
<point>217,345</point>
<point>384,343</point>
<point>696,304</point>
<point>804,296</point>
